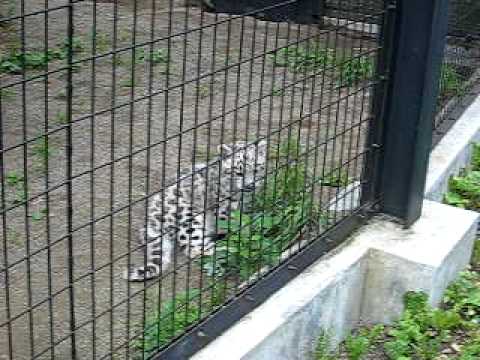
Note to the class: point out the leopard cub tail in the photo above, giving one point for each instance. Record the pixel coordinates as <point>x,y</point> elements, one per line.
<point>159,256</point>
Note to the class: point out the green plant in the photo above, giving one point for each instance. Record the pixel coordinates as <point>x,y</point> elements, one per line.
<point>38,215</point>
<point>471,350</point>
<point>464,190</point>
<point>102,42</point>
<point>359,345</point>
<point>42,149</point>
<point>15,181</point>
<point>175,316</point>
<point>306,58</point>
<point>278,91</point>
<point>323,349</point>
<point>355,70</point>
<point>159,56</point>
<point>7,93</point>
<point>203,90</point>
<point>464,295</point>
<point>13,178</point>
<point>421,329</point>
<point>451,82</point>
<point>61,118</point>
<point>77,45</point>
<point>475,161</point>
<point>16,61</point>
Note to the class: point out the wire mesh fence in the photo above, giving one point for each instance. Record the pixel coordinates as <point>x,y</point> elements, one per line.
<point>157,158</point>
<point>460,74</point>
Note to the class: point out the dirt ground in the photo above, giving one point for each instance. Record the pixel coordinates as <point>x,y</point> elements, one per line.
<point>221,87</point>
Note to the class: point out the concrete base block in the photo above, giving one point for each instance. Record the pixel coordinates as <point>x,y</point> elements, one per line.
<point>363,280</point>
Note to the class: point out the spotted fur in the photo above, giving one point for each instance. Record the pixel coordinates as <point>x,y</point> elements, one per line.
<point>187,213</point>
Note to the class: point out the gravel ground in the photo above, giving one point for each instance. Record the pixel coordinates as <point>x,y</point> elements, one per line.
<point>208,110</point>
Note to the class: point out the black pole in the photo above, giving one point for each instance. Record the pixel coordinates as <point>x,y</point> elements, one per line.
<point>419,37</point>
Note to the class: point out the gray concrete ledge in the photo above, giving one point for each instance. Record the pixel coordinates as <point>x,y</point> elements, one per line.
<point>363,280</point>
<point>453,152</point>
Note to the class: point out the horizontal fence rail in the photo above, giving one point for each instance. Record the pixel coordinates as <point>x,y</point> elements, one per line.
<point>165,165</point>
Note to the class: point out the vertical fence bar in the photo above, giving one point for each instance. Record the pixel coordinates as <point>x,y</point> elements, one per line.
<point>69,173</point>
<point>420,30</point>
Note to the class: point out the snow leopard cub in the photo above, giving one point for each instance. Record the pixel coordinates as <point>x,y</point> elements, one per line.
<point>190,207</point>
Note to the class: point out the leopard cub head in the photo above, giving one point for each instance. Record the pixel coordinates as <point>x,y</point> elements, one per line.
<point>244,163</point>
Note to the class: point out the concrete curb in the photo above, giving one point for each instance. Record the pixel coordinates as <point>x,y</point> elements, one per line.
<point>453,152</point>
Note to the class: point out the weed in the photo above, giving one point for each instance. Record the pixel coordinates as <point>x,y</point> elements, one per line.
<point>13,178</point>
<point>38,215</point>
<point>42,149</point>
<point>421,330</point>
<point>17,61</point>
<point>302,58</point>
<point>77,45</point>
<point>15,181</point>
<point>355,70</point>
<point>464,191</point>
<point>359,345</point>
<point>159,56</point>
<point>7,93</point>
<point>323,349</point>
<point>203,90</point>
<point>475,161</point>
<point>471,350</point>
<point>174,318</point>
<point>61,118</point>
<point>278,92</point>
<point>102,42</point>
<point>464,296</point>
<point>451,82</point>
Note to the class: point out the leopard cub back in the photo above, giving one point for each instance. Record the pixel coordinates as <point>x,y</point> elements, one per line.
<point>185,213</point>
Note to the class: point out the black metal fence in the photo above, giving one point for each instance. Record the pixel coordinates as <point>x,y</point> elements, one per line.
<point>165,167</point>
<point>460,77</point>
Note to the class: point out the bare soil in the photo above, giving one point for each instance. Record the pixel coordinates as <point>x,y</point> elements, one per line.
<point>222,86</point>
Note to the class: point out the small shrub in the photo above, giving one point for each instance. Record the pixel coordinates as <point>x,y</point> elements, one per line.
<point>463,296</point>
<point>359,345</point>
<point>464,191</point>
